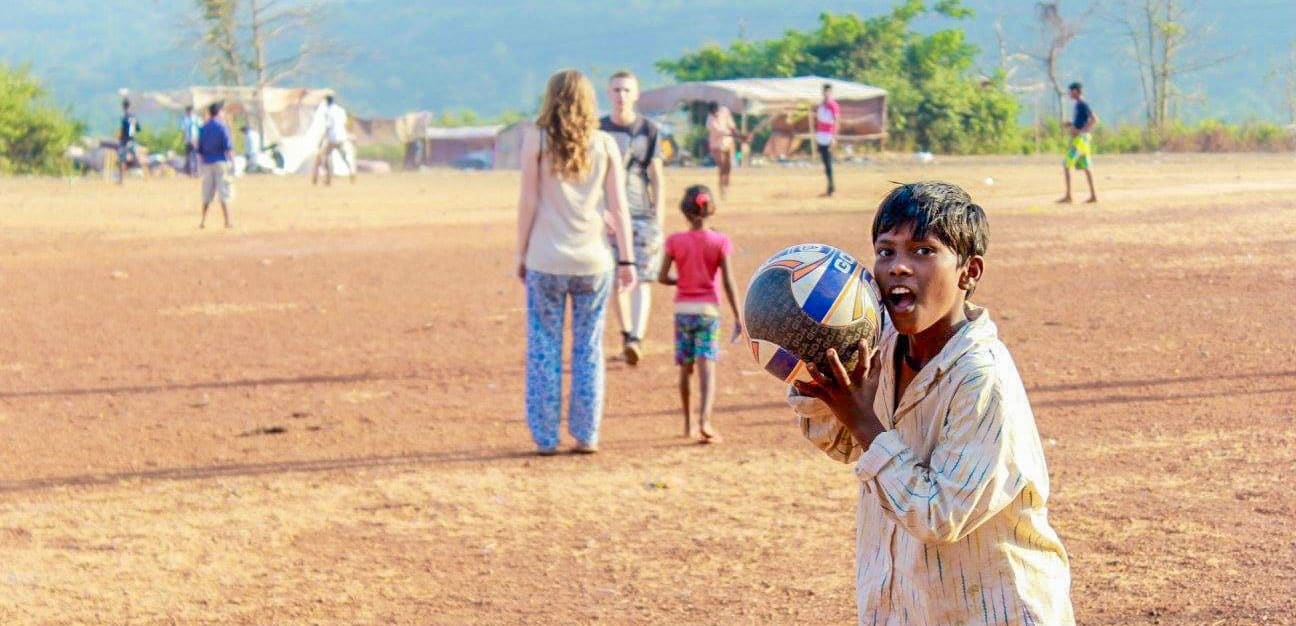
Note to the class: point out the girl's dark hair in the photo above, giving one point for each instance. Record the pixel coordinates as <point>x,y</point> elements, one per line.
<point>945,211</point>
<point>713,106</point>
<point>698,202</point>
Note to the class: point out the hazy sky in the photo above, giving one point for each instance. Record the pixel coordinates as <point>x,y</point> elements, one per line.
<point>408,55</point>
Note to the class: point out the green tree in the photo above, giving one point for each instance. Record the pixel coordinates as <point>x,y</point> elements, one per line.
<point>34,132</point>
<point>936,101</point>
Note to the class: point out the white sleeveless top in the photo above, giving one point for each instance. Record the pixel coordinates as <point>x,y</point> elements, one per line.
<point>570,235</point>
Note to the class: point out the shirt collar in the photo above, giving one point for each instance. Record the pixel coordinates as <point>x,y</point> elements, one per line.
<point>978,330</point>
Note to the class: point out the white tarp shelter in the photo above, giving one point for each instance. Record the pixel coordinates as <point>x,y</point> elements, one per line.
<point>757,96</point>
<point>785,104</point>
<point>294,117</point>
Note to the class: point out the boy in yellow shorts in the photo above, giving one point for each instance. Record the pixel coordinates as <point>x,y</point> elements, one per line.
<point>1079,156</point>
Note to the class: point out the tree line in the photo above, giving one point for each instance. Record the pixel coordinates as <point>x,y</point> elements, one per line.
<point>940,101</point>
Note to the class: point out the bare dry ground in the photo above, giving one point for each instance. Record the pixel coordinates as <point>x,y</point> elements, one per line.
<point>316,417</point>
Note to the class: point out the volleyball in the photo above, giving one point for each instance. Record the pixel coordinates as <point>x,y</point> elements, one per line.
<point>804,300</point>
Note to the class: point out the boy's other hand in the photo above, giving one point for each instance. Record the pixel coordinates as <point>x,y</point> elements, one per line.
<point>848,395</point>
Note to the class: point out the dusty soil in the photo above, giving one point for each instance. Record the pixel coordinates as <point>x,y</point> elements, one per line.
<point>316,417</point>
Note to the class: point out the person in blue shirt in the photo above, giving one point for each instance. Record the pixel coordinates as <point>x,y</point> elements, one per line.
<point>1080,153</point>
<point>127,150</point>
<point>216,151</point>
<point>189,125</point>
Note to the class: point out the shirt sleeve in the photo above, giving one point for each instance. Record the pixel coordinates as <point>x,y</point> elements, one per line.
<point>726,246</point>
<point>654,144</point>
<point>822,429</point>
<point>972,474</point>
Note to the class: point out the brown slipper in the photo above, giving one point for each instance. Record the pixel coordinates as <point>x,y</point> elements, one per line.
<point>631,352</point>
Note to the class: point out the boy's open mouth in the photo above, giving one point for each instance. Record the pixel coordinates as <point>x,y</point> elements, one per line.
<point>901,299</point>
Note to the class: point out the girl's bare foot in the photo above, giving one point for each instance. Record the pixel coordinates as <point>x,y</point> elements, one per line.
<point>709,434</point>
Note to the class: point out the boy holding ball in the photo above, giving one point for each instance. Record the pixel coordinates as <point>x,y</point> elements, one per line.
<point>952,516</point>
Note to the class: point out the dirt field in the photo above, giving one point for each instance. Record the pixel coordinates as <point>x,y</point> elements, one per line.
<point>316,417</point>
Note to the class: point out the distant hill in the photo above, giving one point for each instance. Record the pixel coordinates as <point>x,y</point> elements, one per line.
<point>495,56</point>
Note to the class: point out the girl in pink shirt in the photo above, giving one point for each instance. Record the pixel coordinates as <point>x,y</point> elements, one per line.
<point>699,254</point>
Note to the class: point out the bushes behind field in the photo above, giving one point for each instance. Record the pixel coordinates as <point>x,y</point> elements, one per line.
<point>34,133</point>
<point>160,139</point>
<point>392,153</point>
<point>1207,135</point>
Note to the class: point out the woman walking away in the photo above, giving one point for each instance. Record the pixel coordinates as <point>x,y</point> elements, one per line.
<point>720,140</point>
<point>571,192</point>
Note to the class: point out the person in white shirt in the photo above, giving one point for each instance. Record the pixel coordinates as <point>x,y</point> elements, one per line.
<point>335,138</point>
<point>189,125</point>
<point>251,148</point>
<point>952,521</point>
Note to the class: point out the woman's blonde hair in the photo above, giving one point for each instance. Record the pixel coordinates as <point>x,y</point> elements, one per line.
<point>568,118</point>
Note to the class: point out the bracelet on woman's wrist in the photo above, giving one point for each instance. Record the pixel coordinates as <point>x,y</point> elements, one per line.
<point>625,262</point>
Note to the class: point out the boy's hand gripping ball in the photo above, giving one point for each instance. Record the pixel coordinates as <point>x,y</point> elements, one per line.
<point>804,300</point>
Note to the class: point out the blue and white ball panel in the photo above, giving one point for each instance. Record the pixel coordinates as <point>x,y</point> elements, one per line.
<point>824,279</point>
<point>778,361</point>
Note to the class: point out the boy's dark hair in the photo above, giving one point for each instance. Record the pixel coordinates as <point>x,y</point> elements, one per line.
<point>1076,87</point>
<point>125,103</point>
<point>698,202</point>
<point>328,99</point>
<point>827,87</point>
<point>188,108</point>
<point>713,106</point>
<point>215,108</point>
<point>943,210</point>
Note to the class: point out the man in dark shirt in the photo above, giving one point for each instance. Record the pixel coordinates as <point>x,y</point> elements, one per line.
<point>216,152</point>
<point>637,137</point>
<point>127,150</point>
<point>1080,153</point>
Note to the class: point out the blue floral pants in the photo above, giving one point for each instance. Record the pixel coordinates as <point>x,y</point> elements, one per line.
<point>547,296</point>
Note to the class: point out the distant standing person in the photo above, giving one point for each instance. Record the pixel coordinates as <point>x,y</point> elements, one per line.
<point>637,137</point>
<point>127,149</point>
<point>720,141</point>
<point>335,138</point>
<point>250,149</point>
<point>1080,154</point>
<point>216,151</point>
<point>189,125</point>
<point>827,115</point>
<point>571,192</point>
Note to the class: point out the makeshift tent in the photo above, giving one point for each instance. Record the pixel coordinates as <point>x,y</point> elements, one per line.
<point>294,117</point>
<point>786,104</point>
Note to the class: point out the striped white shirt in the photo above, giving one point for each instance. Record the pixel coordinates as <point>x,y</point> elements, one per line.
<point>952,517</point>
